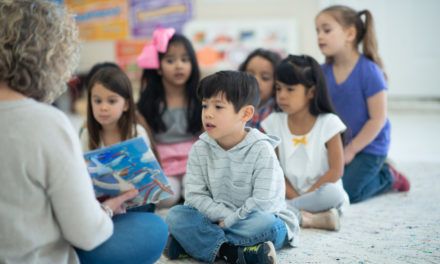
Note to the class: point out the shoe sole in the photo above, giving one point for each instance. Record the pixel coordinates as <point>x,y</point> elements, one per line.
<point>270,253</point>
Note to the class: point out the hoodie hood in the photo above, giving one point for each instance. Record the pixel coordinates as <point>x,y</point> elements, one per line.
<point>253,136</point>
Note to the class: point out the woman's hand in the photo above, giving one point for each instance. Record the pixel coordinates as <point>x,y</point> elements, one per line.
<point>116,203</point>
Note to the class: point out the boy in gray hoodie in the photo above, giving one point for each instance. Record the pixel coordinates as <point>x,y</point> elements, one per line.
<point>235,191</point>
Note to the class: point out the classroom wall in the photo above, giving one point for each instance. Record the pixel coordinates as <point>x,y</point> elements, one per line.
<point>405,31</point>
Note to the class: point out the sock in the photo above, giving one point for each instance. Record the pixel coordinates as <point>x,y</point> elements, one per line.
<point>229,252</point>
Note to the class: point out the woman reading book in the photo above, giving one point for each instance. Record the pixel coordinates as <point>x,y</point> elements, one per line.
<point>46,196</point>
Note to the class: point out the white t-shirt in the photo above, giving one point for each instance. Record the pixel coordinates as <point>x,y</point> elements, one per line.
<point>303,164</point>
<point>84,137</point>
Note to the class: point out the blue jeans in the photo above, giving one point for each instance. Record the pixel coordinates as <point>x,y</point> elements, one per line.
<point>202,239</point>
<point>365,176</point>
<point>137,238</point>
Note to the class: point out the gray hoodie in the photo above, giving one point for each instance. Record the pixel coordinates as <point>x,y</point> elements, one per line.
<point>228,185</point>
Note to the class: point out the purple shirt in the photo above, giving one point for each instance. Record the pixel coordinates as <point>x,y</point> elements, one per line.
<point>350,100</point>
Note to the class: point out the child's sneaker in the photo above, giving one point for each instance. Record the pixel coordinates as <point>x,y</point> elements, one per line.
<point>173,250</point>
<point>261,253</point>
<point>400,182</point>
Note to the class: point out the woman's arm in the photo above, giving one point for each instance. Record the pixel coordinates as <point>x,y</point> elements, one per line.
<point>377,109</point>
<point>335,160</point>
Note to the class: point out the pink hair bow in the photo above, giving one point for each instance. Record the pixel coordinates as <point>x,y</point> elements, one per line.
<point>149,58</point>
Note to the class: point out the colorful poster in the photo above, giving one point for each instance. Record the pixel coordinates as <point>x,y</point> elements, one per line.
<point>127,52</point>
<point>223,45</point>
<point>100,19</point>
<point>146,16</point>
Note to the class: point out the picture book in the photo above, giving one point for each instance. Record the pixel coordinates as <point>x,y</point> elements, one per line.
<point>127,165</point>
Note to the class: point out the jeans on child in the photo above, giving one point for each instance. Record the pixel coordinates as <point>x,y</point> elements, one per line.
<point>366,175</point>
<point>137,238</point>
<point>202,239</point>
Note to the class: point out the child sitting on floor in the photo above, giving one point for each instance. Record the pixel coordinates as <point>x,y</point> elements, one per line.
<point>235,207</point>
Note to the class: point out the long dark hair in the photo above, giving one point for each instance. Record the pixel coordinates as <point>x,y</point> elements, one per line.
<point>115,80</point>
<point>153,94</point>
<point>306,70</point>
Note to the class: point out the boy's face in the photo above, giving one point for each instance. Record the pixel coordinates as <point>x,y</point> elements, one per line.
<point>222,123</point>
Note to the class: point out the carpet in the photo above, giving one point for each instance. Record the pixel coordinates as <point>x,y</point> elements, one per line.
<point>390,228</point>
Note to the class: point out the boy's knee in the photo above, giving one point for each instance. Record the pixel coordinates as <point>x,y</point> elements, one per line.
<point>262,220</point>
<point>173,215</point>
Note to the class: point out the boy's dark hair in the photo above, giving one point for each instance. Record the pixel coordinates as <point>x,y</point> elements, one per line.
<point>152,95</point>
<point>239,88</point>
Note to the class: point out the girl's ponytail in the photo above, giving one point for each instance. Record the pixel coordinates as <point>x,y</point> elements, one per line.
<point>368,37</point>
<point>347,17</point>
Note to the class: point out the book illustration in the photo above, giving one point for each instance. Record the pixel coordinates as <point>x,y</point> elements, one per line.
<point>125,166</point>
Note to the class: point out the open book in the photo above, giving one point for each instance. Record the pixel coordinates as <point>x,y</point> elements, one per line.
<point>124,166</point>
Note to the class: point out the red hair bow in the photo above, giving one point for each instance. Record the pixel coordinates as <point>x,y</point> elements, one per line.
<point>149,57</point>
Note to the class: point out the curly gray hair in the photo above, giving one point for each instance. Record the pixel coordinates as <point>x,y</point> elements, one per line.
<point>39,47</point>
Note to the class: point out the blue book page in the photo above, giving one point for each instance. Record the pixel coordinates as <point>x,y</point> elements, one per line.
<point>125,166</point>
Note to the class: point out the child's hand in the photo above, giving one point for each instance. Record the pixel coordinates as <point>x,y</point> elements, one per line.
<point>348,154</point>
<point>116,203</point>
<point>221,224</point>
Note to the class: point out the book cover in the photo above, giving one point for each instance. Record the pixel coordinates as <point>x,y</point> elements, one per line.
<point>124,166</point>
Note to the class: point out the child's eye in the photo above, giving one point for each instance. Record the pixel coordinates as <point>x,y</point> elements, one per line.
<point>266,79</point>
<point>169,60</point>
<point>290,89</point>
<point>277,88</point>
<point>219,107</point>
<point>185,59</point>
<point>112,101</point>
<point>204,106</point>
<point>327,30</point>
<point>97,101</point>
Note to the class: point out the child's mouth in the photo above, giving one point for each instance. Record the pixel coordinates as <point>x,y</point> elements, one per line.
<point>209,126</point>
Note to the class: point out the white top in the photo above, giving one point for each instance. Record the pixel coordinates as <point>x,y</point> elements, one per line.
<point>47,202</point>
<point>304,164</point>
<point>84,136</point>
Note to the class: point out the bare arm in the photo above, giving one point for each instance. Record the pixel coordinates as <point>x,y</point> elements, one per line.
<point>377,109</point>
<point>336,163</point>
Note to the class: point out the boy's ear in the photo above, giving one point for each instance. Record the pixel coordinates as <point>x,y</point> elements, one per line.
<point>311,93</point>
<point>247,113</point>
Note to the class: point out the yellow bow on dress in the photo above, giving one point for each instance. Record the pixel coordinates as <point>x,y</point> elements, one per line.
<point>297,141</point>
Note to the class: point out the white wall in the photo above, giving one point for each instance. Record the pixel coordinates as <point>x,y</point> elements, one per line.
<point>408,43</point>
<point>406,31</point>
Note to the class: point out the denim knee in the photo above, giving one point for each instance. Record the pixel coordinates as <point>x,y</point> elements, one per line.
<point>174,215</point>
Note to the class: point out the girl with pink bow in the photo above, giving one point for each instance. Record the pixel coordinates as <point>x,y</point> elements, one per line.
<point>169,104</point>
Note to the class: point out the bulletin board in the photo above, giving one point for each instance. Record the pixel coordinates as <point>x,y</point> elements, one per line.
<point>222,45</point>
